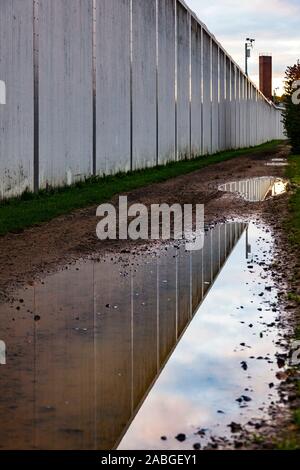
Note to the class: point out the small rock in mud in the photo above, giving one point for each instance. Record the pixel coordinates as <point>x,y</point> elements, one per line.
<point>244,365</point>
<point>243,398</point>
<point>281,375</point>
<point>197,446</point>
<point>238,444</point>
<point>163,438</point>
<point>235,427</point>
<point>181,437</point>
<point>37,318</point>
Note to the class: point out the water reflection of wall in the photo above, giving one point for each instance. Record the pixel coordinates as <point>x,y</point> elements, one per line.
<point>165,293</point>
<point>76,378</point>
<point>256,189</point>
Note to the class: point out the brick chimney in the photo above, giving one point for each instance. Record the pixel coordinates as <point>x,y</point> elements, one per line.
<point>265,75</point>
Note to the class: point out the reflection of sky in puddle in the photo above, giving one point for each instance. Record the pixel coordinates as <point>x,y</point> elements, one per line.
<point>204,376</point>
<point>256,189</point>
<point>84,347</point>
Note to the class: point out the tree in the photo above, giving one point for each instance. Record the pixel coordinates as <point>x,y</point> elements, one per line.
<point>291,114</point>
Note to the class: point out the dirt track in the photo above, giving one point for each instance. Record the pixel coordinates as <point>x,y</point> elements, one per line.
<point>35,252</point>
<point>28,255</point>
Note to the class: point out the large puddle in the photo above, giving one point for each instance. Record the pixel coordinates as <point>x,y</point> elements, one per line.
<point>122,352</point>
<point>256,189</point>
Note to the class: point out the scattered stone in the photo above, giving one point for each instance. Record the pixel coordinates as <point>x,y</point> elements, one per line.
<point>238,444</point>
<point>181,437</point>
<point>235,427</point>
<point>197,446</point>
<point>281,375</point>
<point>37,318</point>
<point>244,399</point>
<point>244,365</point>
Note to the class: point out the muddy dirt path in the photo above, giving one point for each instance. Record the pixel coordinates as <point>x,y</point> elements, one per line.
<point>28,255</point>
<point>35,253</point>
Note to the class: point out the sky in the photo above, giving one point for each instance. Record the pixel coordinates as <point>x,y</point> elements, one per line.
<point>275,25</point>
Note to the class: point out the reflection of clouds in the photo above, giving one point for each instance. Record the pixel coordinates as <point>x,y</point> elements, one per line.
<point>164,413</point>
<point>204,373</point>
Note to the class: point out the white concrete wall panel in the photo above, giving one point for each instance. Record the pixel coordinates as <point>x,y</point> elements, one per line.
<point>196,103</point>
<point>207,108</point>
<point>183,82</point>
<point>228,103</point>
<point>144,83</point>
<point>215,98</point>
<point>113,146</point>
<point>222,104</point>
<point>16,116</point>
<point>233,107</point>
<point>238,109</point>
<point>65,91</point>
<point>166,81</point>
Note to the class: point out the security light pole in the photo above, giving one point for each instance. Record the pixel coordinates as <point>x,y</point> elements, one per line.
<point>248,47</point>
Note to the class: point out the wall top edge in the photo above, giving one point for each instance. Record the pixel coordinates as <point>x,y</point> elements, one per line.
<point>203,25</point>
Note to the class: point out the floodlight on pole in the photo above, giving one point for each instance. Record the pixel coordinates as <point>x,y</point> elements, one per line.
<point>248,47</point>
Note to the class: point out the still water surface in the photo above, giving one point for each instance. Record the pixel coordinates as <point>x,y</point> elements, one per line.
<point>120,351</point>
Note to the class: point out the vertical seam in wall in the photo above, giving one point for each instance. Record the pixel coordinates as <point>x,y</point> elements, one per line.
<point>190,85</point>
<point>131,83</point>
<point>219,97</point>
<point>202,93</point>
<point>235,113</point>
<point>176,82</point>
<point>157,84</point>
<point>36,139</point>
<point>230,101</point>
<point>94,66</point>
<point>211,95</point>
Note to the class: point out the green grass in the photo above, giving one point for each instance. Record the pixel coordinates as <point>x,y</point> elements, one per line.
<point>293,297</point>
<point>293,173</point>
<point>293,227</point>
<point>34,209</point>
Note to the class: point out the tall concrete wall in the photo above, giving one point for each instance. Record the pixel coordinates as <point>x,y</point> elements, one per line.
<point>143,83</point>
<point>16,116</point>
<point>112,86</point>
<point>65,91</point>
<point>196,97</point>
<point>183,82</point>
<point>100,86</point>
<point>166,81</point>
<point>207,92</point>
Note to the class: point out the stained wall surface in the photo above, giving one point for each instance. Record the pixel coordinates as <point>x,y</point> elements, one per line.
<point>96,87</point>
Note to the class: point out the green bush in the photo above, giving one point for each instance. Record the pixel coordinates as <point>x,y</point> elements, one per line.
<point>291,114</point>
